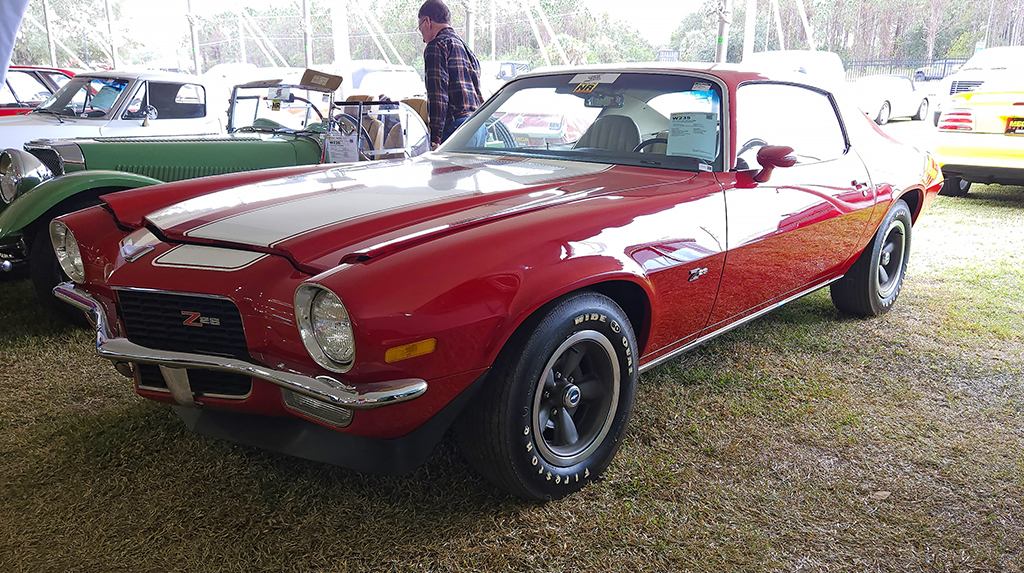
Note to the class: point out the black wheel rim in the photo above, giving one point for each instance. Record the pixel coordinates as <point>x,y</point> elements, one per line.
<point>891,258</point>
<point>576,398</point>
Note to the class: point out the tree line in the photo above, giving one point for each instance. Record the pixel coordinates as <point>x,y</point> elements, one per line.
<point>855,29</point>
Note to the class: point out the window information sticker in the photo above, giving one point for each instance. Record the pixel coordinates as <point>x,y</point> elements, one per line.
<point>693,135</point>
<point>342,148</point>
<point>594,79</point>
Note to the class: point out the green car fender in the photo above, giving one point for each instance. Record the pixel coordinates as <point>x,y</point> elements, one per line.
<point>38,201</point>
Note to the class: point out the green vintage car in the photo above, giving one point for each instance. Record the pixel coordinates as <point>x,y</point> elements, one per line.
<point>270,124</point>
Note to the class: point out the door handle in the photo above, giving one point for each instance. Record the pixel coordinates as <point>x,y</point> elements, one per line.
<point>861,186</point>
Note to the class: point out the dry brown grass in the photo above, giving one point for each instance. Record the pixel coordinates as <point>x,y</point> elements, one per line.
<point>806,441</point>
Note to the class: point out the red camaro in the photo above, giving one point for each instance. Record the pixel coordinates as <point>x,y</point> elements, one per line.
<point>352,314</point>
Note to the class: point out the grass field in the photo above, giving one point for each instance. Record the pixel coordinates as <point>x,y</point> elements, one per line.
<point>805,441</point>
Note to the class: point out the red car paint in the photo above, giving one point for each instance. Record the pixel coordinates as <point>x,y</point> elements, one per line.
<point>469,253</point>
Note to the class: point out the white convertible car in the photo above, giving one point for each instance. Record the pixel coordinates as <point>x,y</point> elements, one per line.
<point>112,104</point>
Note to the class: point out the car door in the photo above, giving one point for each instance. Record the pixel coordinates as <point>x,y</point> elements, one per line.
<point>163,108</point>
<point>797,230</point>
<point>906,98</point>
<point>680,244</point>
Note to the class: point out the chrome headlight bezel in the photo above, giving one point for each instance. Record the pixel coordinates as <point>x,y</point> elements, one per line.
<point>65,247</point>
<point>335,357</point>
<point>20,171</point>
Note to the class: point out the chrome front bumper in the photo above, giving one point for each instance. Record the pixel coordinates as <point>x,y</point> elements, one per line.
<point>173,365</point>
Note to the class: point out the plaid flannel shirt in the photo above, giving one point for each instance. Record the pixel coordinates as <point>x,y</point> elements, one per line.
<point>453,81</point>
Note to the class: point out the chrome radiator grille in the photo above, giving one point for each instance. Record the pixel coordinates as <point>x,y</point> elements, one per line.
<point>49,158</point>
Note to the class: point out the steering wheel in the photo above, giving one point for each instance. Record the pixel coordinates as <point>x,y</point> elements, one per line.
<point>750,144</point>
<point>500,132</point>
<point>649,142</point>
<point>348,125</point>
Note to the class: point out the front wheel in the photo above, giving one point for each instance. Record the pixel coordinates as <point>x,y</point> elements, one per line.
<point>557,401</point>
<point>954,187</point>
<point>873,283</point>
<point>883,114</point>
<point>46,273</point>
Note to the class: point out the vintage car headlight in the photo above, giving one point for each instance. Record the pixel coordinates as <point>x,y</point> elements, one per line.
<point>19,172</point>
<point>66,248</point>
<point>325,327</point>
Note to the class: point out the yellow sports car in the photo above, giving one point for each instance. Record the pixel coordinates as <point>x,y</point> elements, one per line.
<point>981,140</point>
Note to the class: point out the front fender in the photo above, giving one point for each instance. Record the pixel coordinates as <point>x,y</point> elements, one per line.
<point>42,198</point>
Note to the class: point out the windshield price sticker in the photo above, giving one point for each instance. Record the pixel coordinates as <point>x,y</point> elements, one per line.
<point>594,79</point>
<point>693,135</point>
<point>701,87</point>
<point>342,148</point>
<point>585,88</point>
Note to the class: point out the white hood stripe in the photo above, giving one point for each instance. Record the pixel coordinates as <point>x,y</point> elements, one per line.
<point>276,223</point>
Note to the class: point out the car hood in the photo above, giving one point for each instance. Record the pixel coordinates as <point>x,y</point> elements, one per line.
<point>173,158</point>
<point>18,129</point>
<point>357,213</point>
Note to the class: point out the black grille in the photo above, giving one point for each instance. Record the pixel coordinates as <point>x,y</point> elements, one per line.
<point>49,158</point>
<point>158,320</point>
<point>960,87</point>
<point>204,382</point>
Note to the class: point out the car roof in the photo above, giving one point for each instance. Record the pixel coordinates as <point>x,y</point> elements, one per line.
<point>732,74</point>
<point>43,69</point>
<point>146,75</point>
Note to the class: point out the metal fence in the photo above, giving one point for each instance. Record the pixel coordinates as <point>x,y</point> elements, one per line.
<point>920,69</point>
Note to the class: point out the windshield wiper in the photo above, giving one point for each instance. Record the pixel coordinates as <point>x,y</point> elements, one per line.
<point>49,111</point>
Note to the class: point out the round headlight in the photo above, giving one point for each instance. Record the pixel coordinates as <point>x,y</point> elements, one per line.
<point>19,172</point>
<point>332,327</point>
<point>325,327</point>
<point>66,248</point>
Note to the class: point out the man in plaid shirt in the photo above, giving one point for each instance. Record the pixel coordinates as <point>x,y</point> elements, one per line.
<point>453,74</point>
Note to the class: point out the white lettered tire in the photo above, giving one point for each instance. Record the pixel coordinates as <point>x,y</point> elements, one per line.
<point>555,408</point>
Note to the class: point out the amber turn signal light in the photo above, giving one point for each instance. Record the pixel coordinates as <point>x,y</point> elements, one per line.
<point>410,350</point>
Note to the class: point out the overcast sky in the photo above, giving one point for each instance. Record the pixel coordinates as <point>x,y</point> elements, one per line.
<point>655,19</point>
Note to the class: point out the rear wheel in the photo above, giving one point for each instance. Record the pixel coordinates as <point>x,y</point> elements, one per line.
<point>922,112</point>
<point>883,114</point>
<point>955,187</point>
<point>557,401</point>
<point>873,283</point>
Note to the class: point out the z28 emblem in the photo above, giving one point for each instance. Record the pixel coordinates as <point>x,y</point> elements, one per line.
<point>197,319</point>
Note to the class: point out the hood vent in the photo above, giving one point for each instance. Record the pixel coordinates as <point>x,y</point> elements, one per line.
<point>960,87</point>
<point>177,172</point>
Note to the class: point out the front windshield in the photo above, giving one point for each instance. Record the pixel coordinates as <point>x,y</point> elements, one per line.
<point>279,107</point>
<point>656,120</point>
<point>86,97</point>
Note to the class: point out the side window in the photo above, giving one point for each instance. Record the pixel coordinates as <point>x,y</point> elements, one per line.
<point>7,96</point>
<point>57,78</point>
<point>780,114</point>
<point>177,101</point>
<point>27,87</point>
<point>137,104</point>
